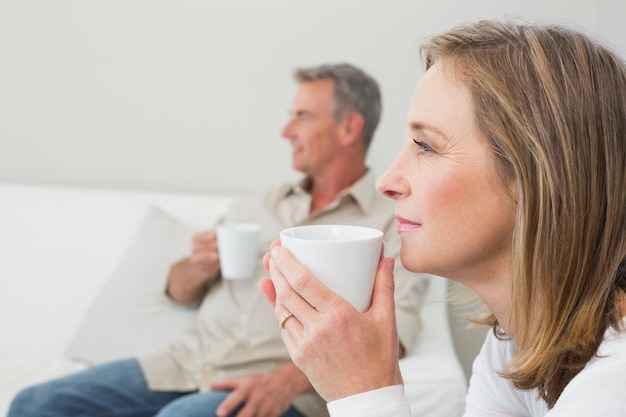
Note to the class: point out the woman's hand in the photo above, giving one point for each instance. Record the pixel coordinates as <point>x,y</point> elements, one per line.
<point>342,352</point>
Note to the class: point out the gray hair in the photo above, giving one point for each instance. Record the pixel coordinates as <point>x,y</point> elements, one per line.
<point>354,90</point>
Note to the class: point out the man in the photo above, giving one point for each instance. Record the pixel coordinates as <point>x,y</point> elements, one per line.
<point>234,362</point>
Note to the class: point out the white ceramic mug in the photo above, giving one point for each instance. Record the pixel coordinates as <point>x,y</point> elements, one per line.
<point>344,258</point>
<point>238,247</point>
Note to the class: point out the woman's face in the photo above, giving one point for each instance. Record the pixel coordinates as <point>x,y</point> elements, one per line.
<point>455,215</point>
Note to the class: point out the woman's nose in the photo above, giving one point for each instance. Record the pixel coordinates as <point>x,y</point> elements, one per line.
<point>392,185</point>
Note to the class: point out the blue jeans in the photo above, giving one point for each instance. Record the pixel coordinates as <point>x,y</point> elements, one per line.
<point>116,389</point>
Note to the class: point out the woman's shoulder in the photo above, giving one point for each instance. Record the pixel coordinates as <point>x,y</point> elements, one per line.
<point>599,388</point>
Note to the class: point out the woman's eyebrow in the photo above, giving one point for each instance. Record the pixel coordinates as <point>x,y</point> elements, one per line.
<point>420,126</point>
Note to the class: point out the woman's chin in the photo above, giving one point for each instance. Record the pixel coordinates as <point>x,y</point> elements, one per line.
<point>414,263</point>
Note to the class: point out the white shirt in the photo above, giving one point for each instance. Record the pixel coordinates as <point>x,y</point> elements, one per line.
<point>598,390</point>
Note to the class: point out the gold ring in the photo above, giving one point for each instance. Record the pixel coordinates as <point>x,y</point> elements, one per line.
<point>283,319</point>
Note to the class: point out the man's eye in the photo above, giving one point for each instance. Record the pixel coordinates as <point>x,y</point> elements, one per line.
<point>425,147</point>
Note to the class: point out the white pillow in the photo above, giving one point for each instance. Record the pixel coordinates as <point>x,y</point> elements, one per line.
<point>131,315</point>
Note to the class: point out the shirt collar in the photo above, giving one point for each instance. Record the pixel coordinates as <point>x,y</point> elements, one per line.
<point>363,191</point>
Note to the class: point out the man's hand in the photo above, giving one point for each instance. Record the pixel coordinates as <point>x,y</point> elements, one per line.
<point>204,256</point>
<point>266,395</point>
<point>190,277</point>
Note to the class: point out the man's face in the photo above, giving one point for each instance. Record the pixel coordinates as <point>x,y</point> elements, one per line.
<point>312,129</point>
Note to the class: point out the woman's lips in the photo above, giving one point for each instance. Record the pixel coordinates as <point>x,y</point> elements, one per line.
<point>405,225</point>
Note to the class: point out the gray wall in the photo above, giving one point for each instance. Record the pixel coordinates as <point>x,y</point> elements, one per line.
<point>190,95</point>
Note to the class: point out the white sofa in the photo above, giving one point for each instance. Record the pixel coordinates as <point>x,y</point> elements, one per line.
<point>76,286</point>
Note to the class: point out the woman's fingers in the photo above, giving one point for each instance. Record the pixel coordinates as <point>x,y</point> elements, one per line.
<point>325,335</point>
<point>296,288</point>
<point>267,288</point>
<point>383,295</point>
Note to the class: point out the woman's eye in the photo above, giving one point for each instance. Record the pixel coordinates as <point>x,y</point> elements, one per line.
<point>425,147</point>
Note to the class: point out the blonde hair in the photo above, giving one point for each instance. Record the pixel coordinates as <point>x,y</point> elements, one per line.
<point>551,101</point>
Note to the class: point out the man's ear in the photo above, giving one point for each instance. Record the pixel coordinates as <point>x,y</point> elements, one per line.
<point>352,128</point>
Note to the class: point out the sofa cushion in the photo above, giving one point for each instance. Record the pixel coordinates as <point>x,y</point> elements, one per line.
<point>131,314</point>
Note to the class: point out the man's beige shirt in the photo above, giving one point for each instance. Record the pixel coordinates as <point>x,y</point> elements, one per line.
<point>236,331</point>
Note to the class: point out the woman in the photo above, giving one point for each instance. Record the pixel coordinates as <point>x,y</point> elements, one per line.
<point>511,181</point>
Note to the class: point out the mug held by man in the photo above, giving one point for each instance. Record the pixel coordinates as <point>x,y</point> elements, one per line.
<point>237,245</point>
